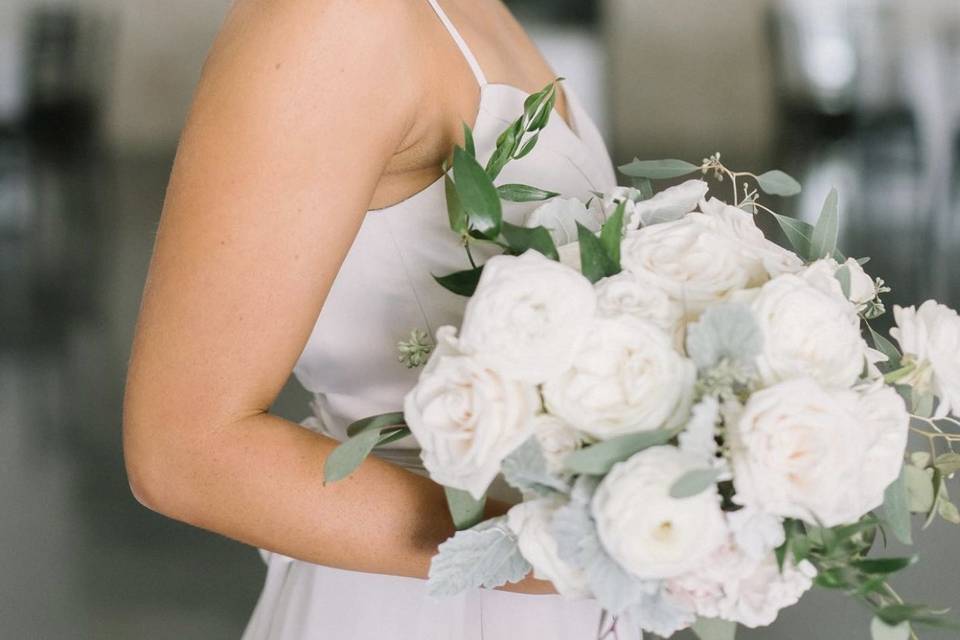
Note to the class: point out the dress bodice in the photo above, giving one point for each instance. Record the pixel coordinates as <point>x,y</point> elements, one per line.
<point>385,287</point>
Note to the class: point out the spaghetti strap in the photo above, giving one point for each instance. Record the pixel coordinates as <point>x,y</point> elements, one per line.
<point>461,43</point>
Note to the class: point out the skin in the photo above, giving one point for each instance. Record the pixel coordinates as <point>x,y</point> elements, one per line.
<point>308,114</point>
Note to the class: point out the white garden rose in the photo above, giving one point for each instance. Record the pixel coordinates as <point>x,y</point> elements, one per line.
<point>531,522</point>
<point>799,450</point>
<point>809,329</point>
<point>731,585</point>
<point>528,316</point>
<point>668,205</point>
<point>467,417</point>
<point>626,294</point>
<point>863,288</point>
<point>756,533</point>
<point>649,533</point>
<point>694,261</point>
<point>740,226</point>
<point>560,216</point>
<point>930,339</point>
<point>626,377</point>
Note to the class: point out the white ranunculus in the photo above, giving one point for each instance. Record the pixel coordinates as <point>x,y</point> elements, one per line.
<point>560,217</point>
<point>756,533</point>
<point>930,339</point>
<point>809,329</point>
<point>557,440</point>
<point>742,228</point>
<point>528,316</point>
<point>627,377</point>
<point>668,205</point>
<point>467,417</point>
<point>649,533</point>
<point>627,294</point>
<point>825,456</point>
<point>750,591</point>
<point>693,260</point>
<point>531,522</point>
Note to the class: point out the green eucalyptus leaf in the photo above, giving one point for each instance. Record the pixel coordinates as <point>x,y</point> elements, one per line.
<point>465,510</point>
<point>477,194</point>
<point>693,483</point>
<point>938,492</point>
<point>715,629</point>
<point>644,186</point>
<point>595,264</point>
<point>379,422</point>
<point>826,232</point>
<point>462,283</point>
<point>349,455</point>
<point>799,233</point>
<point>920,493</point>
<point>468,143</point>
<point>455,211</point>
<point>527,147</point>
<point>658,169</point>
<point>948,511</point>
<point>880,630</point>
<point>883,565</point>
<point>599,458</point>
<point>948,463</point>
<point>611,234</point>
<point>522,239</point>
<point>843,276</point>
<point>897,510</point>
<point>392,435</point>
<point>524,193</point>
<point>778,183</point>
<point>885,347</point>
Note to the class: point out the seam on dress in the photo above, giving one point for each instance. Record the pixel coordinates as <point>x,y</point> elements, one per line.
<point>406,272</point>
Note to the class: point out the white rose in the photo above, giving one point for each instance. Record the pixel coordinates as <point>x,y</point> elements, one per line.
<point>627,377</point>
<point>528,316</point>
<point>733,586</point>
<point>863,288</point>
<point>802,451</point>
<point>692,260</point>
<point>668,205</point>
<point>467,417</point>
<point>570,255</point>
<point>557,440</point>
<point>531,522</point>
<point>560,217</point>
<point>741,226</point>
<point>650,534</point>
<point>930,339</point>
<point>809,329</point>
<point>627,294</point>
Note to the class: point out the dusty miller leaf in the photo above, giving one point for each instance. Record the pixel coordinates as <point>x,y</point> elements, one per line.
<point>484,556</point>
<point>726,331</point>
<point>526,469</point>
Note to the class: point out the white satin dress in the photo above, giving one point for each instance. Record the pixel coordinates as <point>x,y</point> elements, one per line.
<point>383,291</point>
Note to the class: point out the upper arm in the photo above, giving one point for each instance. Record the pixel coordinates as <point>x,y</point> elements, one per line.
<point>300,107</point>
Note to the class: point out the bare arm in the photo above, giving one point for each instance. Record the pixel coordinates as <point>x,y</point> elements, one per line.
<point>299,110</point>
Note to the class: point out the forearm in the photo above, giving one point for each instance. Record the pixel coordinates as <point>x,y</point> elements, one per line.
<point>260,480</point>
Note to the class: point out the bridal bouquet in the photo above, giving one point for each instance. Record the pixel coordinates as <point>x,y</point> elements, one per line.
<point>702,423</point>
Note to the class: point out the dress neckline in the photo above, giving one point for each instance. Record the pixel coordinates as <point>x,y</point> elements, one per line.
<point>571,129</point>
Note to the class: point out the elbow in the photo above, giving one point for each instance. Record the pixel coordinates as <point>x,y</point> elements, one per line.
<point>158,466</point>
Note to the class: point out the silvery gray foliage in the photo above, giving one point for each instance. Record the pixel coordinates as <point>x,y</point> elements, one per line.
<point>726,331</point>
<point>526,469</point>
<point>574,530</point>
<point>484,556</point>
<point>658,613</point>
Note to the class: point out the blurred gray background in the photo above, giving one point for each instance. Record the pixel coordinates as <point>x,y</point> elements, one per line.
<point>861,94</point>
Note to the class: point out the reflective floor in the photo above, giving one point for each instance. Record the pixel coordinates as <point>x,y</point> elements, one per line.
<point>79,558</point>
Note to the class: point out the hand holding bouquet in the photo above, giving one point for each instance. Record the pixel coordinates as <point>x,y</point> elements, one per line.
<point>703,424</point>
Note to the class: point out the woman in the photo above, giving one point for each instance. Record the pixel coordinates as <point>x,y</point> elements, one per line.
<point>304,219</point>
